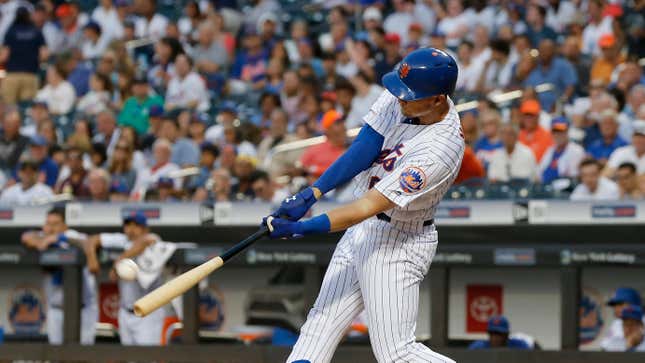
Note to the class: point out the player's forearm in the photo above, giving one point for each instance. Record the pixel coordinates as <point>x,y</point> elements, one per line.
<point>371,204</point>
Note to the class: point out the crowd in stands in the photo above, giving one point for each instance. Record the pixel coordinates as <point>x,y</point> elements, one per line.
<point>113,100</point>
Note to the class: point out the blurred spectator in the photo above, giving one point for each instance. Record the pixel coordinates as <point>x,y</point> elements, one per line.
<point>391,56</point>
<point>184,152</point>
<point>186,89</point>
<point>226,117</point>
<point>99,96</point>
<point>317,158</point>
<point>38,152</point>
<point>537,29</point>
<point>71,23</point>
<point>28,190</point>
<point>166,51</point>
<point>469,127</point>
<point>149,24</point>
<point>276,164</point>
<point>345,92</point>
<point>106,131</point>
<point>95,42</point>
<point>513,161</point>
<point>497,70</point>
<point>190,21</point>
<point>367,92</point>
<point>243,167</point>
<point>209,54</point>
<point>609,59</point>
<point>23,49</point>
<point>38,113</point>
<point>400,20</point>
<point>562,160</point>
<point>614,338</point>
<point>469,70</point>
<point>554,70</point>
<point>57,93</point>
<point>106,15</point>
<point>603,147</point>
<point>259,8</point>
<point>98,155</point>
<point>78,71</point>
<point>75,183</point>
<point>490,140</point>
<point>207,159</point>
<point>593,186</point>
<point>129,136</point>
<point>162,150</point>
<point>122,172</point>
<point>597,25</point>
<point>453,21</point>
<point>635,101</point>
<point>164,189</point>
<point>137,109</point>
<point>634,153</point>
<point>12,143</point>
<point>581,63</point>
<point>471,167</point>
<point>291,95</point>
<point>532,134</point>
<point>498,336</point>
<point>218,189</point>
<point>98,183</point>
<point>627,181</point>
<point>249,65</point>
<point>632,317</point>
<point>265,190</point>
<point>559,14</point>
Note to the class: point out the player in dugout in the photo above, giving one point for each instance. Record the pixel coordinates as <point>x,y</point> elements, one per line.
<point>498,336</point>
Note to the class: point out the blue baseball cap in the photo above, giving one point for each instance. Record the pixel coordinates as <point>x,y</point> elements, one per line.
<point>228,106</point>
<point>625,295</point>
<point>498,324</point>
<point>156,111</point>
<point>38,140</point>
<point>633,312</point>
<point>137,217</point>
<point>560,123</point>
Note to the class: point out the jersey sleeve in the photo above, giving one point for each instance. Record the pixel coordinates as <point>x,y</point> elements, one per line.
<point>114,240</point>
<point>412,180</point>
<point>383,113</point>
<point>74,234</point>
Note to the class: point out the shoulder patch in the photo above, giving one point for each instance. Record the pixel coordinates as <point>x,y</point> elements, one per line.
<point>412,180</point>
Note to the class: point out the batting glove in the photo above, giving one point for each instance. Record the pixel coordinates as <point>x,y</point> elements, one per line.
<point>282,228</point>
<point>296,206</point>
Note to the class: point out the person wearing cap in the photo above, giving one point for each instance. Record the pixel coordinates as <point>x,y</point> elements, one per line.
<point>562,160</point>
<point>12,143</point>
<point>58,92</point>
<point>634,153</point>
<point>632,318</point>
<point>71,22</point>
<point>594,186</point>
<point>498,330</point>
<point>317,158</point>
<point>135,240</point>
<point>614,337</point>
<point>512,161</point>
<point>532,134</point>
<point>28,190</point>
<point>602,148</point>
<point>611,57</point>
<point>136,109</point>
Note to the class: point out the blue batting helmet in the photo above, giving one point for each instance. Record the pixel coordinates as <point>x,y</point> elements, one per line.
<point>423,73</point>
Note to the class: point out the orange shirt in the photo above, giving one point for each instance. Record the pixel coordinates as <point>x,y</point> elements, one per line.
<point>471,167</point>
<point>316,159</point>
<point>539,141</point>
<point>602,69</point>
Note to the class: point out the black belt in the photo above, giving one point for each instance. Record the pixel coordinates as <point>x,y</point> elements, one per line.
<point>384,217</point>
<point>131,311</point>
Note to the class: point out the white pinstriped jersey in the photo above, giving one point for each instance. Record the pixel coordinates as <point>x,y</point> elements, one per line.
<point>418,163</point>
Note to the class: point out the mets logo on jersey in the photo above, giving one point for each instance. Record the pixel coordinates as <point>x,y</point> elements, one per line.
<point>404,70</point>
<point>412,180</point>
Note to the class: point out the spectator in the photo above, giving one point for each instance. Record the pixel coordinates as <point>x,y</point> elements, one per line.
<point>38,114</point>
<point>47,167</point>
<point>191,20</point>
<point>129,136</point>
<point>537,29</point>
<point>471,167</point>
<point>120,167</point>
<point>99,96</point>
<point>75,183</point>
<point>593,186</point>
<point>635,101</point>
<point>391,56</point>
<point>562,160</point>
<point>209,54</point>
<point>184,152</point>
<point>106,131</point>
<point>532,134</point>
<point>78,71</point>
<point>165,190</point>
<point>490,141</point>
<point>150,24</point>
<point>28,190</point>
<point>12,143</point>
<point>162,150</point>
<point>596,26</point>
<point>207,159</point>
<point>513,161</point>
<point>367,92</point>
<point>453,21</point>
<point>277,135</point>
<point>217,190</point>
<point>250,65</point>
<point>555,70</point>
<point>316,159</point>
<point>609,59</point>
<point>57,93</point>
<point>233,137</point>
<point>400,20</point>
<point>632,317</point>
<point>627,181</point>
<point>107,16</point>
<point>603,147</point>
<point>23,49</point>
<point>166,51</point>
<point>581,62</point>
<point>469,70</point>
<point>498,336</point>
<point>634,153</point>
<point>186,89</point>
<point>95,42</point>
<point>291,95</point>
<point>71,25</point>
<point>243,167</point>
<point>498,69</point>
<point>560,13</point>
<point>98,155</point>
<point>614,338</point>
<point>136,109</point>
<point>265,190</point>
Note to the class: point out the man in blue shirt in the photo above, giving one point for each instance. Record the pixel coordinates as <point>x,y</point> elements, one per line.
<point>184,151</point>
<point>554,70</point>
<point>498,331</point>
<point>600,149</point>
<point>47,166</point>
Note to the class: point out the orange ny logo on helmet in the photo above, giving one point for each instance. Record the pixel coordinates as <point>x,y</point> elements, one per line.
<point>404,70</point>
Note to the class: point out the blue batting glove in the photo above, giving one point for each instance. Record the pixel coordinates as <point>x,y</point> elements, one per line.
<point>296,206</point>
<point>282,228</point>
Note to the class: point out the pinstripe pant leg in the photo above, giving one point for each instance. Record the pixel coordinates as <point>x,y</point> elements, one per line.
<point>392,265</point>
<point>338,303</point>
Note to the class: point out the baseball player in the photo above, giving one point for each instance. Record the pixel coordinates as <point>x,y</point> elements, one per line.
<point>401,163</point>
<point>134,240</point>
<point>56,234</point>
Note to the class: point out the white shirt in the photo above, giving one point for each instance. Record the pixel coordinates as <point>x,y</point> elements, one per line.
<point>568,162</point>
<point>614,339</point>
<point>95,50</point>
<point>16,196</point>
<point>399,23</point>
<point>520,163</point>
<point>626,154</point>
<point>108,19</point>
<point>417,164</point>
<point>361,106</point>
<point>592,33</point>
<point>449,25</point>
<point>191,88</point>
<point>606,190</point>
<point>146,178</point>
<point>154,29</point>
<point>563,17</point>
<point>93,102</point>
<point>60,99</point>
<point>498,76</point>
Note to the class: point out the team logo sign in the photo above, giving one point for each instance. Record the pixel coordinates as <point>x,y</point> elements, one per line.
<point>412,180</point>
<point>211,309</point>
<point>26,311</point>
<point>404,70</point>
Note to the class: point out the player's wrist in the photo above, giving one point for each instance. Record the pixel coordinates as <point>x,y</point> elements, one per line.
<point>316,192</point>
<point>316,225</point>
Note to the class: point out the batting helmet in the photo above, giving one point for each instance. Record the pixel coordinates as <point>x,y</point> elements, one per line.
<point>423,73</point>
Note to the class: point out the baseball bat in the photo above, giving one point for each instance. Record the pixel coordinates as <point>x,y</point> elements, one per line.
<point>180,284</point>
